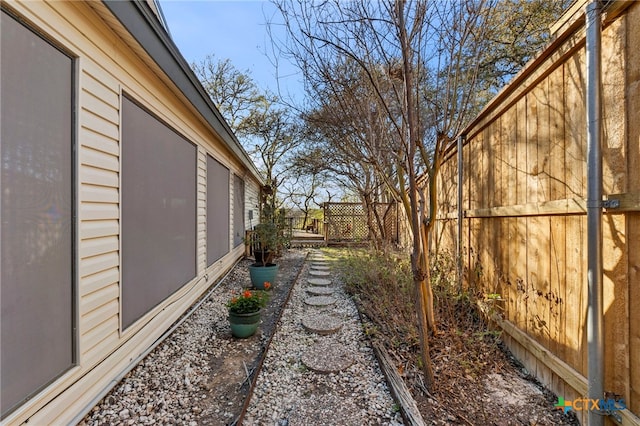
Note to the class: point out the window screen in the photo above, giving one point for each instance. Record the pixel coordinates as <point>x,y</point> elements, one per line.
<point>238,210</point>
<point>158,211</point>
<point>217,210</point>
<point>37,308</point>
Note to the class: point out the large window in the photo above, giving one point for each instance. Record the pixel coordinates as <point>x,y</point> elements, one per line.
<point>37,308</point>
<point>158,211</point>
<point>238,210</point>
<point>217,210</point>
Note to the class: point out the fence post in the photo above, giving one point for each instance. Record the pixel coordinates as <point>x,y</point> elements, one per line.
<point>595,356</point>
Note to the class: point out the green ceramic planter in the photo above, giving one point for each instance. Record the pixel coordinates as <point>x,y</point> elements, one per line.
<point>260,274</point>
<point>244,325</point>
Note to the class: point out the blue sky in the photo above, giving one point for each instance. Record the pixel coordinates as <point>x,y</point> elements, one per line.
<point>229,29</point>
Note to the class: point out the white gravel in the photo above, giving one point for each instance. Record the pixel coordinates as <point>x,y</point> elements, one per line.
<point>288,393</point>
<point>195,376</point>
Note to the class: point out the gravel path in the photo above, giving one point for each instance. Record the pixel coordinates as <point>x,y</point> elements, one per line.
<point>198,375</point>
<point>287,392</point>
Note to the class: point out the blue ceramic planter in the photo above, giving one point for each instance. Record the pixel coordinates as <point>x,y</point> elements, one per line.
<point>260,274</point>
<point>244,325</point>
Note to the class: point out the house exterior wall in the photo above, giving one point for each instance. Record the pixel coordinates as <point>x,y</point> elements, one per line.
<point>108,63</point>
<point>524,223</point>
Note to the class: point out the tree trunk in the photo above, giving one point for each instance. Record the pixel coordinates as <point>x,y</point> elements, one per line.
<point>423,327</point>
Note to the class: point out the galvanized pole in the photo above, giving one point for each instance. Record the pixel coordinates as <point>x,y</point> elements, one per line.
<point>594,211</point>
<point>460,211</point>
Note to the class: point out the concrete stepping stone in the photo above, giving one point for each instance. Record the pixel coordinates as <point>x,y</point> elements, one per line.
<point>320,300</point>
<point>319,263</point>
<point>327,357</point>
<point>322,324</point>
<point>317,273</point>
<point>319,282</point>
<point>319,291</point>
<point>320,268</point>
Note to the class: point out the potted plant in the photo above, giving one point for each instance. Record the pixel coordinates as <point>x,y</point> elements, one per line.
<point>244,312</point>
<point>267,241</point>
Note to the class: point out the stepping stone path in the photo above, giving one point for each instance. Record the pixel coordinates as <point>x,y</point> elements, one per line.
<point>319,282</point>
<point>320,369</point>
<point>322,324</point>
<point>319,291</point>
<point>319,268</point>
<point>324,356</point>
<point>319,301</point>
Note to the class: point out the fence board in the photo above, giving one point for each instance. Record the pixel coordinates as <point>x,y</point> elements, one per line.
<point>525,216</point>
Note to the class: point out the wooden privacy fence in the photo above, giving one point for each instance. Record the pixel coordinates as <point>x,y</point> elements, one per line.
<point>524,211</point>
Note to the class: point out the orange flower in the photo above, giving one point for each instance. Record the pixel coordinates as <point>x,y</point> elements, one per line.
<point>246,293</point>
<point>267,285</point>
<point>234,300</point>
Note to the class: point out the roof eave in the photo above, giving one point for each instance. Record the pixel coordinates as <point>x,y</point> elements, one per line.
<point>137,18</point>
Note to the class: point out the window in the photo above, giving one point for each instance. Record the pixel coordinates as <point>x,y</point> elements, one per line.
<point>217,210</point>
<point>238,210</point>
<point>158,211</point>
<point>37,308</point>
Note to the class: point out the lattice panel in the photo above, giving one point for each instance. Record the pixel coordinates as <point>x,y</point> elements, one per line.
<point>348,222</point>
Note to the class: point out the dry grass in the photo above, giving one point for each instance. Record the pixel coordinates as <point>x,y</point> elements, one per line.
<point>464,351</point>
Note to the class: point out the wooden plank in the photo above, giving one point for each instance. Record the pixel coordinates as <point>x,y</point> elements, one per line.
<point>533,318</point>
<point>628,202</point>
<point>509,173</point>
<point>633,250</point>
<point>563,207</point>
<point>633,219</point>
<point>520,252</point>
<point>615,300</point>
<point>408,407</point>
<point>614,67</point>
<point>489,233</point>
<point>557,191</point>
<point>577,382</point>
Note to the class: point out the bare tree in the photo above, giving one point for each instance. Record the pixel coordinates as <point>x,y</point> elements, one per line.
<point>265,128</point>
<point>413,57</point>
<point>232,91</point>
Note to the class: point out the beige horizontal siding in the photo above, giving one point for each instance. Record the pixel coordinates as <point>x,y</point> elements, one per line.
<point>94,246</point>
<point>96,264</point>
<point>106,67</point>
<point>251,199</point>
<point>98,142</point>
<point>99,194</point>
<point>97,176</point>
<point>99,280</point>
<point>98,211</point>
<point>201,222</point>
